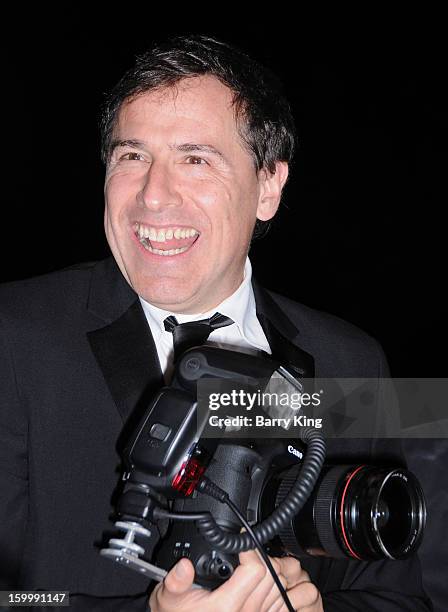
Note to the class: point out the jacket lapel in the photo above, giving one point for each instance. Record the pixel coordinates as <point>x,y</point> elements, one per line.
<point>124,348</point>
<point>282,335</point>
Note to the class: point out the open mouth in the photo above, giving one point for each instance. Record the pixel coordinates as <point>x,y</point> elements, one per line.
<point>168,241</point>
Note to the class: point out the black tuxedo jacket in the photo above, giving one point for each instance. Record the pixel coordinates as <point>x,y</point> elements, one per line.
<point>78,363</point>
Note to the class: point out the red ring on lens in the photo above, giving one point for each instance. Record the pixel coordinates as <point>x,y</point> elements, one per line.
<point>341,512</point>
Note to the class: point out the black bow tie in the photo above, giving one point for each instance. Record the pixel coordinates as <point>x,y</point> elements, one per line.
<point>194,333</point>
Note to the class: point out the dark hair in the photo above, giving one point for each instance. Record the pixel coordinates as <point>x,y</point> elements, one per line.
<point>262,113</point>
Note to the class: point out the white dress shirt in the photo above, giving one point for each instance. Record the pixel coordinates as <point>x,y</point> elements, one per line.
<point>245,335</point>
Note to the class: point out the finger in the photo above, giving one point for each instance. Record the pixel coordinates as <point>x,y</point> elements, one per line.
<point>267,591</point>
<point>274,596</point>
<point>292,570</point>
<point>276,564</point>
<point>180,578</point>
<point>176,583</point>
<point>242,591</point>
<point>279,606</point>
<point>251,556</point>
<point>305,597</point>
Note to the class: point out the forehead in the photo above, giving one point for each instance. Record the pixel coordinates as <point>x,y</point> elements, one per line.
<point>197,106</point>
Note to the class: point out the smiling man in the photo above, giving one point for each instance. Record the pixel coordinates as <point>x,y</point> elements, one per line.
<point>197,139</point>
<point>183,195</point>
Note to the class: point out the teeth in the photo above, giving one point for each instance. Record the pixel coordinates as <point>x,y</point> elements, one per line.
<point>163,235</point>
<point>171,252</point>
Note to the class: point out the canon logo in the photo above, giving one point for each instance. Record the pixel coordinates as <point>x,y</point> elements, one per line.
<point>295,452</point>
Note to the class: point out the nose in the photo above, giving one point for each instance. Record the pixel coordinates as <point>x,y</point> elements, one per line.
<point>159,188</point>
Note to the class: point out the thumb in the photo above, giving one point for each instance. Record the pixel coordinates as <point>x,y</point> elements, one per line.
<point>179,579</point>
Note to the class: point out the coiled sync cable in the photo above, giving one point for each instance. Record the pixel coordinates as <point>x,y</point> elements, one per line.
<point>267,529</point>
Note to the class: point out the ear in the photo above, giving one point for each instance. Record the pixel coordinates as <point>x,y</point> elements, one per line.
<point>271,186</point>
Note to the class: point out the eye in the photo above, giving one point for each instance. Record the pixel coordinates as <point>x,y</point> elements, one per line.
<point>195,160</point>
<point>132,156</point>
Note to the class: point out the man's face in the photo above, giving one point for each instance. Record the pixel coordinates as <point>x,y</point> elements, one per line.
<point>182,196</point>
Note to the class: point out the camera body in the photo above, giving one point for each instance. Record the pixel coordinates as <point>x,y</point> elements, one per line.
<point>298,504</point>
<point>244,471</point>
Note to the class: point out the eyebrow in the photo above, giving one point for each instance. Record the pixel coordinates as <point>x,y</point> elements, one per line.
<point>188,147</point>
<point>134,144</point>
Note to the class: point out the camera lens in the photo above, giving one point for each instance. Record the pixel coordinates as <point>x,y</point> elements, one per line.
<point>363,512</point>
<point>399,514</point>
<point>381,513</point>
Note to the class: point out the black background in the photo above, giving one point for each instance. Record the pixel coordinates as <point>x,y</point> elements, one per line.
<point>361,233</point>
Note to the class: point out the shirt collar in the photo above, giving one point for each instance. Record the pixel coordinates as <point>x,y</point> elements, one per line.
<point>239,306</point>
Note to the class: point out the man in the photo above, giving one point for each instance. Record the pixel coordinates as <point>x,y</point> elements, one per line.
<point>197,140</point>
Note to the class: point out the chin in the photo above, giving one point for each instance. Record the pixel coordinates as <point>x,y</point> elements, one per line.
<point>170,296</point>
